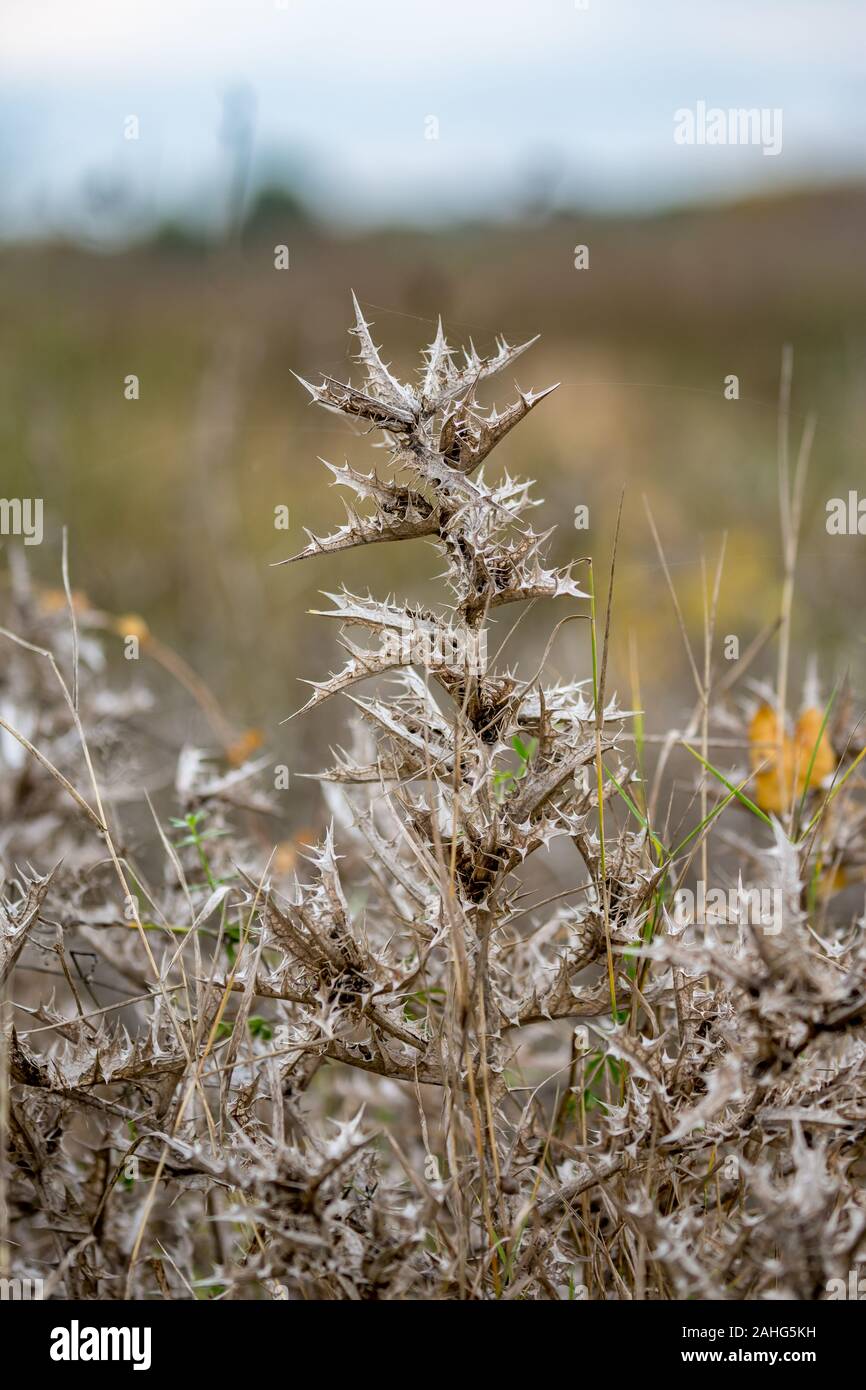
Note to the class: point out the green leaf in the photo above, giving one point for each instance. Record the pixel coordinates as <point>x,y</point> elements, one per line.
<point>521,749</point>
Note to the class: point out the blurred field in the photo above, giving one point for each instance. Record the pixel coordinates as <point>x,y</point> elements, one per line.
<point>170,499</point>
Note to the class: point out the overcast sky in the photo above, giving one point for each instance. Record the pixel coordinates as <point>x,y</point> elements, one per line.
<point>578,103</point>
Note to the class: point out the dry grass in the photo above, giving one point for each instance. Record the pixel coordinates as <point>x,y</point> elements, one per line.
<point>407,1070</point>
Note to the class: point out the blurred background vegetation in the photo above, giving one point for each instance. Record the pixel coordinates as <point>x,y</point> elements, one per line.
<point>169,499</point>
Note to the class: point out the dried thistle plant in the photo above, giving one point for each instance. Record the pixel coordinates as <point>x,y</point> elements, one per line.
<point>339,1085</point>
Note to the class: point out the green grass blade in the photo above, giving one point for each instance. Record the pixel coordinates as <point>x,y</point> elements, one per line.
<point>750,805</point>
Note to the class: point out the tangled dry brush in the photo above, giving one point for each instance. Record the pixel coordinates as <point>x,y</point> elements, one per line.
<point>391,1075</point>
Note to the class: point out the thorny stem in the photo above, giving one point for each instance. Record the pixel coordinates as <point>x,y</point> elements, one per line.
<point>599,774</point>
